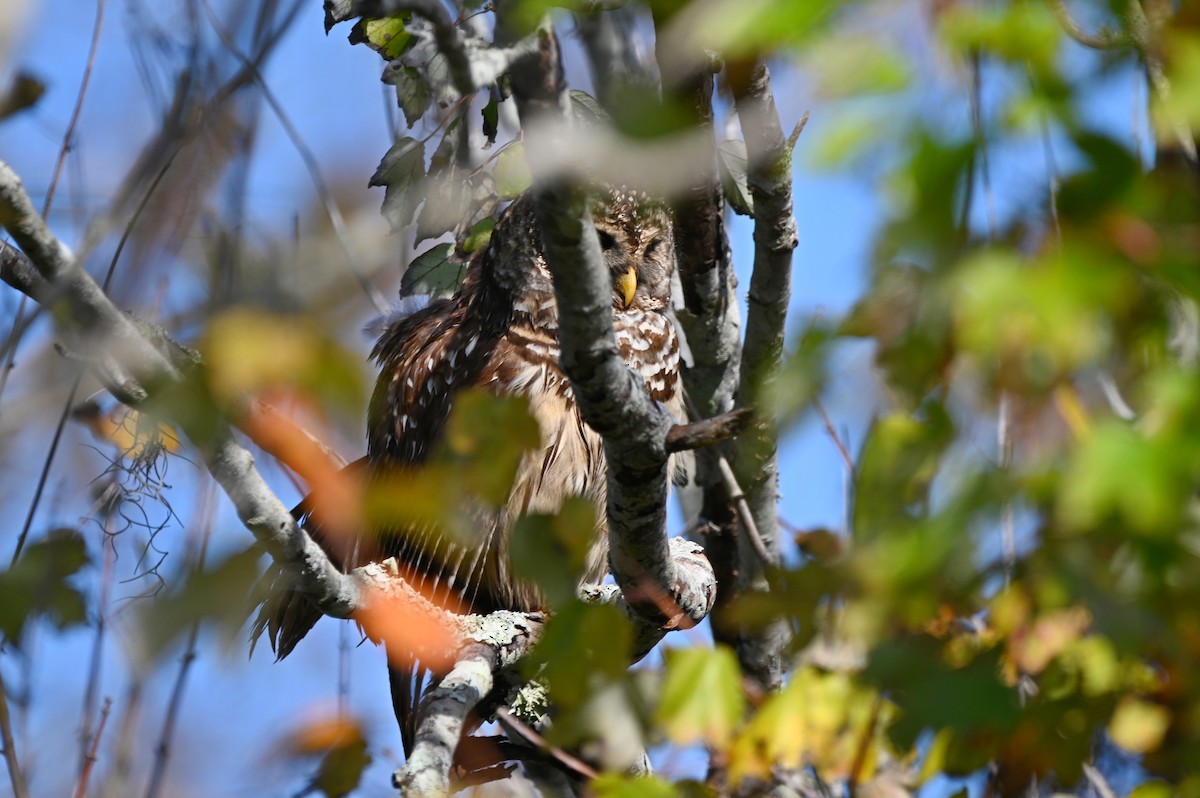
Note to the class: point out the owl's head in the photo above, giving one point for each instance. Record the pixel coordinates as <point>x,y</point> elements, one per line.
<point>638,245</point>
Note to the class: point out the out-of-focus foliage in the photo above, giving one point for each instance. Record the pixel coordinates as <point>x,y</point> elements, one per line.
<point>342,747</point>
<point>921,645</point>
<point>39,584</point>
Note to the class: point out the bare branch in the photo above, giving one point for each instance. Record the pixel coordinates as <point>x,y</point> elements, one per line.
<point>755,462</point>
<point>98,328</point>
<point>16,776</point>
<point>443,714</point>
<point>90,758</point>
<point>1104,39</point>
<point>708,432</point>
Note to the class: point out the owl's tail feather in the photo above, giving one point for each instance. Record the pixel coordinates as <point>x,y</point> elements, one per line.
<point>407,680</point>
<point>286,614</point>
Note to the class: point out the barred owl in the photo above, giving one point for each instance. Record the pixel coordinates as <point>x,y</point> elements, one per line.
<point>500,333</point>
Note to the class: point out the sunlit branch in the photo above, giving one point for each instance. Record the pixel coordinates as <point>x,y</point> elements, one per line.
<point>755,463</point>
<point>612,399</point>
<point>109,337</point>
<point>442,715</point>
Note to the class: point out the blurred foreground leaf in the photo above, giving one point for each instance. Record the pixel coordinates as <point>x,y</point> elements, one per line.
<point>39,584</point>
<point>222,594</point>
<point>702,699</point>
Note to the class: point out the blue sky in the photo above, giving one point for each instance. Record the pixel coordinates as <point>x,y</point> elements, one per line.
<point>234,708</point>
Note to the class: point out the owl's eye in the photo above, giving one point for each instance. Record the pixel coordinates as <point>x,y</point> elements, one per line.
<point>653,246</point>
<point>607,242</point>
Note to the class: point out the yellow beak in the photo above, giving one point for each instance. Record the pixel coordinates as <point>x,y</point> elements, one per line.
<point>627,283</point>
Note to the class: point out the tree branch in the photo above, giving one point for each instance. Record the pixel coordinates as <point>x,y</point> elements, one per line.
<point>754,462</point>
<point>16,776</point>
<point>612,399</point>
<point>443,714</point>
<point>473,64</point>
<point>105,335</point>
<point>708,431</point>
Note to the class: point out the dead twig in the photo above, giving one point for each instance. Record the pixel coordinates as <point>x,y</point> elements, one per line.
<point>709,431</point>
<point>90,759</point>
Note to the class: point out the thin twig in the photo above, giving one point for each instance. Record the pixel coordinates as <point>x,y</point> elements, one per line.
<point>709,431</point>
<point>90,758</point>
<point>162,752</point>
<point>840,445</point>
<point>1104,39</point>
<point>738,497</point>
<point>16,776</point>
<point>538,741</point>
<point>310,163</point>
<point>44,476</point>
<point>18,327</point>
<point>86,739</point>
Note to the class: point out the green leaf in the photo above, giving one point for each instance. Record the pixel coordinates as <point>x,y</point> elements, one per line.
<point>1139,726</point>
<point>486,437</point>
<point>342,768</point>
<point>612,785</point>
<point>401,172</point>
<point>731,157</point>
<point>338,11</point>
<point>512,172</point>
<point>38,585</point>
<point>821,719</point>
<point>702,700</point>
<point>581,641</point>
<point>854,65</point>
<point>1024,33</point>
<point>251,352</point>
<point>387,36</point>
<point>344,754</point>
<point>1113,170</point>
<point>899,460</point>
<point>587,108</point>
<point>479,235</point>
<point>412,92</point>
<point>1117,472</point>
<point>24,93</point>
<point>551,551</point>
<point>223,594</point>
<point>932,694</point>
<point>436,272</point>
<point>491,120</point>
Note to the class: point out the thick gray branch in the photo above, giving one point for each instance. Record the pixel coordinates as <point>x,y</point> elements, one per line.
<point>710,319</point>
<point>612,398</point>
<point>443,714</point>
<point>755,463</point>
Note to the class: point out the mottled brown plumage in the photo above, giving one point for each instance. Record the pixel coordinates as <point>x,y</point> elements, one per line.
<point>500,333</point>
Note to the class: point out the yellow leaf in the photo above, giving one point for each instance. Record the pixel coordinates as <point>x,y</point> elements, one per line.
<point>1138,726</point>
<point>822,719</point>
<point>702,699</point>
<point>1036,647</point>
